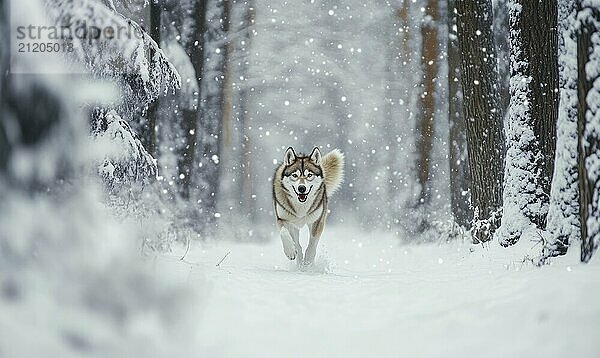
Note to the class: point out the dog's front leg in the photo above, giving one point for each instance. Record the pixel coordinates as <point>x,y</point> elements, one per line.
<point>289,248</point>
<point>295,233</point>
<point>315,234</point>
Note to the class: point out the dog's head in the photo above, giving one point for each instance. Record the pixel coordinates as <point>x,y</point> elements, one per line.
<point>302,175</point>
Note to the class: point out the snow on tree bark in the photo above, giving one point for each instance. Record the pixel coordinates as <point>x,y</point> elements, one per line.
<point>485,140</point>
<point>531,127</point>
<point>563,212</point>
<point>588,125</point>
<point>459,167</point>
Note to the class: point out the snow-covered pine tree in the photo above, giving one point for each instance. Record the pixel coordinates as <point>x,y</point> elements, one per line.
<point>127,162</point>
<point>563,213</point>
<point>459,167</point>
<point>485,140</point>
<point>588,125</point>
<point>65,260</point>
<point>531,126</point>
<point>134,62</point>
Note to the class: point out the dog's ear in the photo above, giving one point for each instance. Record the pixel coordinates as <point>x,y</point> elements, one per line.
<point>315,156</point>
<point>289,156</point>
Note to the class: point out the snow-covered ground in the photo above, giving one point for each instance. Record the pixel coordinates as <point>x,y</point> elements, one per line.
<point>368,296</point>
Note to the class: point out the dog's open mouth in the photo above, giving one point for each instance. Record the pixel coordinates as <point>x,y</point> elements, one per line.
<point>303,196</point>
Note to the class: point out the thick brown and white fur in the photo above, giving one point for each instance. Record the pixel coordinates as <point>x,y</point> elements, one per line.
<point>301,187</point>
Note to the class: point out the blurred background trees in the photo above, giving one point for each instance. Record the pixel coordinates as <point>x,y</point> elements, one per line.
<point>416,93</point>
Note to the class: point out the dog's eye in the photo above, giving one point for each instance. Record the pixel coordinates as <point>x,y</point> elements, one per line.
<point>310,175</point>
<point>295,176</point>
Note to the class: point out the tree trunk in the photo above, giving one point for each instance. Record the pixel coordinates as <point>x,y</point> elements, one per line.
<point>248,201</point>
<point>563,213</point>
<point>533,111</point>
<point>148,137</point>
<point>484,126</point>
<point>543,54</point>
<point>501,37</point>
<point>459,168</point>
<point>426,113</point>
<point>588,125</point>
<point>209,130</point>
<point>194,47</point>
<point>227,87</point>
<point>393,122</point>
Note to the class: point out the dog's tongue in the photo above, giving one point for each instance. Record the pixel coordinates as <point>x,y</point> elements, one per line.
<point>302,197</point>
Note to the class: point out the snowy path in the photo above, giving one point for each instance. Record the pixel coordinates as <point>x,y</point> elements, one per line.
<point>371,297</point>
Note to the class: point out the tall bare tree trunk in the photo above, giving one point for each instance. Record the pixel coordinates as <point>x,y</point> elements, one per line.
<point>395,99</point>
<point>543,50</point>
<point>459,167</point>
<point>227,90</point>
<point>484,125</point>
<point>148,136</point>
<point>501,38</point>
<point>248,200</point>
<point>207,167</point>
<point>195,49</point>
<point>425,119</point>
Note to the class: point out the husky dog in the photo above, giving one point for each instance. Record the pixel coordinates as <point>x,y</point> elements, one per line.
<point>301,186</point>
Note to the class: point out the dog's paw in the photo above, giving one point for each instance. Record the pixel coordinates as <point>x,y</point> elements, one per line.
<point>289,248</point>
<point>290,251</point>
<point>306,263</point>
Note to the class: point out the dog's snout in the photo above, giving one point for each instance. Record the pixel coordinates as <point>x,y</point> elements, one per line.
<point>301,189</point>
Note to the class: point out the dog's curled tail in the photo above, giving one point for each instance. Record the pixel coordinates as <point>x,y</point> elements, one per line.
<point>333,170</point>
